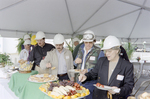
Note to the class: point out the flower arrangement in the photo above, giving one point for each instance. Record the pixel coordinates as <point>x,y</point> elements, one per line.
<point>138,59</point>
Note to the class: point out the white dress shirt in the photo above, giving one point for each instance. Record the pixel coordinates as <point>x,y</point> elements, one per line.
<point>62,67</point>
<point>84,58</point>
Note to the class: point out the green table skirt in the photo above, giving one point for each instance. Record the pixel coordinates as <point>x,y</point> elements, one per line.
<point>18,80</point>
<point>31,91</point>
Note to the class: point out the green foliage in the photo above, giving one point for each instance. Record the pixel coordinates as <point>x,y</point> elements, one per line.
<point>4,59</point>
<point>102,43</point>
<point>20,43</point>
<point>79,36</point>
<point>19,46</point>
<point>129,49</point>
<point>70,45</point>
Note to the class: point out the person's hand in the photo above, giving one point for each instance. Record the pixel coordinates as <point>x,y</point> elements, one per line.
<point>83,71</point>
<point>48,65</point>
<point>112,90</point>
<point>78,61</point>
<point>82,78</point>
<point>72,79</point>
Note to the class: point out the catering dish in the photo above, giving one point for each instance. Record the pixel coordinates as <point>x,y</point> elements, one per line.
<point>40,78</point>
<point>64,90</point>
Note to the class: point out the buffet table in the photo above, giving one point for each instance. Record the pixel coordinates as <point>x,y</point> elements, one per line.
<point>18,80</point>
<point>31,91</point>
<point>25,89</point>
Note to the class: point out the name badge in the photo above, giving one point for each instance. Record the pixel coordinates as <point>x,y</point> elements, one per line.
<point>92,58</point>
<point>67,57</point>
<point>120,77</point>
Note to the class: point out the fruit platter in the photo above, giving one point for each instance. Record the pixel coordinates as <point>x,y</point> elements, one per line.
<point>41,78</point>
<point>64,90</point>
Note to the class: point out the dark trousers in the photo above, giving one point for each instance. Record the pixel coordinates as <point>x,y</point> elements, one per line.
<point>65,77</point>
<point>89,85</point>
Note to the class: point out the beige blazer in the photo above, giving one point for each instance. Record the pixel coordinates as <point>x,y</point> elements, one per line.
<point>52,58</point>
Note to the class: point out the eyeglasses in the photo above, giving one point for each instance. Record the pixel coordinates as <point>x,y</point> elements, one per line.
<point>88,36</point>
<point>108,51</point>
<point>88,42</point>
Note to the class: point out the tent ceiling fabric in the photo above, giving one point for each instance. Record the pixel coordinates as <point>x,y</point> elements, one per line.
<point>122,18</point>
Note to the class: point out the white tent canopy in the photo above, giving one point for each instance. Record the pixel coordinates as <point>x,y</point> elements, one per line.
<point>126,19</point>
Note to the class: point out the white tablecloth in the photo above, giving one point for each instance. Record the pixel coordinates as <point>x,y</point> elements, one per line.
<point>5,92</point>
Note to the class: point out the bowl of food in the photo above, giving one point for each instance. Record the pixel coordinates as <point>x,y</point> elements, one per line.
<point>25,67</point>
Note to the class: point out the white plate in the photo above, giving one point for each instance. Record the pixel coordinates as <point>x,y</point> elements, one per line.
<point>105,87</point>
<point>42,82</point>
<point>11,68</point>
<point>73,71</point>
<point>41,76</point>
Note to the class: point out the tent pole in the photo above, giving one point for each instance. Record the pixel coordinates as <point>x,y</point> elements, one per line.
<point>136,20</point>
<point>91,15</point>
<point>135,4</point>
<point>21,31</point>
<point>69,15</point>
<point>109,20</point>
<point>12,5</point>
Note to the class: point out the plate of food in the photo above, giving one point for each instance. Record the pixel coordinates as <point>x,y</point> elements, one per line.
<point>64,90</point>
<point>102,87</point>
<point>75,70</point>
<point>42,78</point>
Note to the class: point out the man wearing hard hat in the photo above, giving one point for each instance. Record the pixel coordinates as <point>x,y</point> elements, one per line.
<point>40,51</point>
<point>87,58</point>
<point>76,41</point>
<point>59,61</point>
<point>24,54</point>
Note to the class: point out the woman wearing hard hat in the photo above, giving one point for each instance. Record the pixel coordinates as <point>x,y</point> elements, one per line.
<point>24,54</point>
<point>112,71</point>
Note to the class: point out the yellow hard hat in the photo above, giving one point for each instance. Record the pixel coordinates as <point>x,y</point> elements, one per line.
<point>33,40</point>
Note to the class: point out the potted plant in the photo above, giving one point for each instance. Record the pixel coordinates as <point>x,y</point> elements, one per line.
<point>5,60</point>
<point>129,49</point>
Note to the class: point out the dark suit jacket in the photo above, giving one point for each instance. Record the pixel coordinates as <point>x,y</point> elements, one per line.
<point>100,72</point>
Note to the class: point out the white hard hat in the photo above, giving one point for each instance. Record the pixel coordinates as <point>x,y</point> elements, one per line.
<point>58,39</point>
<point>26,37</point>
<point>110,42</point>
<point>40,35</point>
<point>27,42</point>
<point>76,39</point>
<point>88,36</point>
